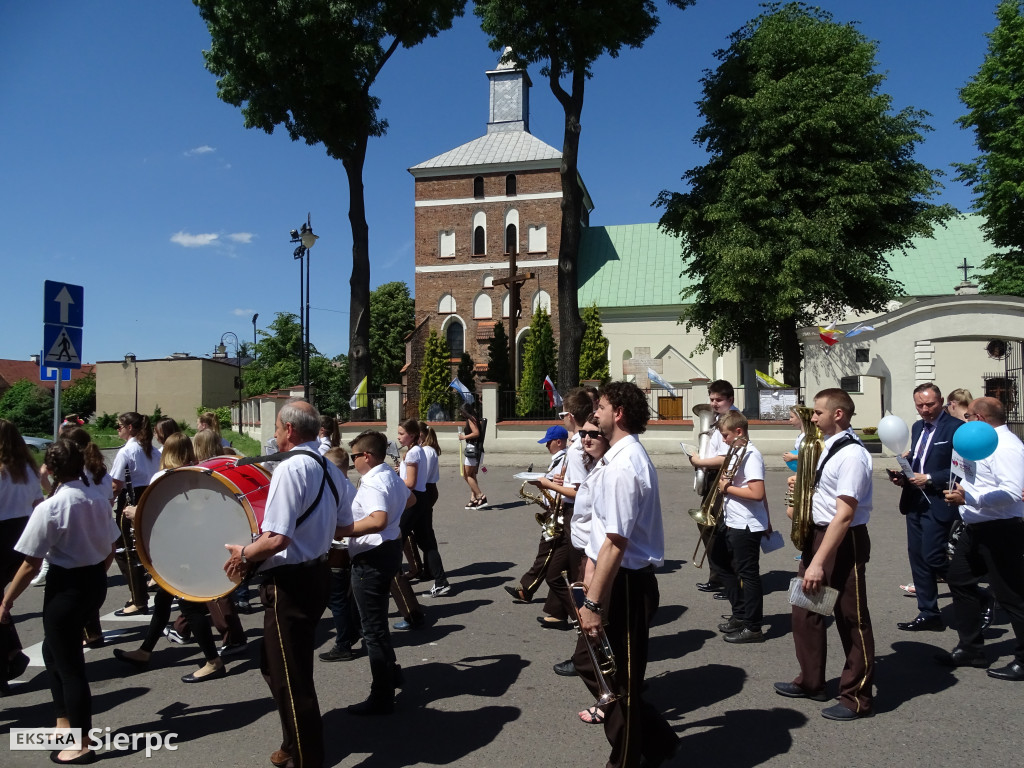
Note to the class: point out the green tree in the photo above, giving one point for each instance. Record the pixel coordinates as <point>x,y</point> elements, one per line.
<point>80,397</point>
<point>594,349</point>
<point>467,373</point>
<point>497,369</point>
<point>436,375</point>
<point>392,315</point>
<point>566,39</point>
<point>811,181</point>
<point>310,65</point>
<point>995,98</point>
<point>539,356</point>
<point>29,407</point>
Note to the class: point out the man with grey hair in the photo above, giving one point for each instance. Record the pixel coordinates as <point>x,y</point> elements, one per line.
<point>304,512</point>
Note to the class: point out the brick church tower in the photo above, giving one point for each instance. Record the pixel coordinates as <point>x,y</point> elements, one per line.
<point>479,207</point>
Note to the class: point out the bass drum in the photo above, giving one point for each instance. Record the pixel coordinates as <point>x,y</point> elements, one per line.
<point>187,515</point>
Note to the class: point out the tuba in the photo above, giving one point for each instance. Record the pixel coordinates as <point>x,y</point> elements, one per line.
<point>550,520</point>
<point>598,648</point>
<point>800,497</point>
<point>709,512</point>
<point>705,423</point>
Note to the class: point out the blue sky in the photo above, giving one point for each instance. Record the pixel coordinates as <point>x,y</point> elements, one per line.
<point>121,170</point>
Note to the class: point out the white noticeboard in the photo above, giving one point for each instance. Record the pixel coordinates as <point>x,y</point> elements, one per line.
<point>774,404</point>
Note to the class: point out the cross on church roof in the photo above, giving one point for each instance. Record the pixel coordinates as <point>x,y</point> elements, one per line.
<point>965,266</point>
<point>638,365</point>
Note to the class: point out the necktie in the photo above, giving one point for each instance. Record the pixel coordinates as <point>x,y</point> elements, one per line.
<point>922,445</point>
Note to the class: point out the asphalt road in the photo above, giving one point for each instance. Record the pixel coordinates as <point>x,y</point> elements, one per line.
<point>480,691</point>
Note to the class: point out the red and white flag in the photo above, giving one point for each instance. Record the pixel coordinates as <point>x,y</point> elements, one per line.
<point>554,399</point>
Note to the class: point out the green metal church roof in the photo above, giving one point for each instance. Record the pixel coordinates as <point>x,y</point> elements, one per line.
<point>637,265</point>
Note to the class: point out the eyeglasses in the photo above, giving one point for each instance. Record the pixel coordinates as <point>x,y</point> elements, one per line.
<point>563,414</point>
<point>593,434</point>
<point>355,456</point>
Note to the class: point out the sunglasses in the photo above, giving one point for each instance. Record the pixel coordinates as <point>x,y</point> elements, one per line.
<point>355,456</point>
<point>593,434</point>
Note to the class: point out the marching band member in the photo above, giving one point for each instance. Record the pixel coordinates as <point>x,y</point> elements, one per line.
<point>76,532</point>
<point>304,512</point>
<point>992,543</point>
<point>626,544</point>
<point>836,556</point>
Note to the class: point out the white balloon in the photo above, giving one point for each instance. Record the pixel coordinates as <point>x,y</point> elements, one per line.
<point>894,433</point>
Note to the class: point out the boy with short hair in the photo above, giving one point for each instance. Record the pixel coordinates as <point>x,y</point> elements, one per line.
<point>737,547</point>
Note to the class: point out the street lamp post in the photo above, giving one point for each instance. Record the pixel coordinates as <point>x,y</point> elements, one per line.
<point>306,240</point>
<point>254,318</point>
<point>222,352</point>
<point>130,358</point>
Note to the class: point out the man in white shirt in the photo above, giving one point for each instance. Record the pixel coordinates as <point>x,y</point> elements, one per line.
<point>304,512</point>
<point>627,543</point>
<point>992,543</point>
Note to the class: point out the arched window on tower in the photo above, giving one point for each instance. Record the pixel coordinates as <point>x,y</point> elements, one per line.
<point>510,185</point>
<point>478,186</point>
<point>456,336</point>
<point>511,239</point>
<point>479,234</point>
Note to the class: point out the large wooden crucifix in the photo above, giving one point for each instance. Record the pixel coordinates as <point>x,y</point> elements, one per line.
<point>514,281</point>
<point>638,365</point>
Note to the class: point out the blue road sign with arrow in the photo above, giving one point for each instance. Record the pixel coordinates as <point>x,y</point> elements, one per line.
<point>63,316</point>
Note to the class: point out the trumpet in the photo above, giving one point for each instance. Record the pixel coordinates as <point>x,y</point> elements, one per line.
<point>550,520</point>
<point>707,515</point>
<point>598,648</point>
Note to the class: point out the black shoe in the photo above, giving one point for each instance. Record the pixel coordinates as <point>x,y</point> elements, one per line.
<point>517,593</point>
<point>16,667</point>
<point>565,668</point>
<point>794,691</point>
<point>371,707</point>
<point>560,624</point>
<point>130,611</point>
<point>958,657</point>
<point>923,624</point>
<point>708,586</point>
<point>137,663</point>
<point>1012,671</point>
<point>721,596</point>
<point>215,675</point>
<point>337,654</point>
<point>745,635</point>
<point>731,625</point>
<point>86,759</point>
<point>841,713</point>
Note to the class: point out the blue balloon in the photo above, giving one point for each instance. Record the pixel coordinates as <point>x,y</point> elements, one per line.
<point>975,440</point>
<point>791,465</point>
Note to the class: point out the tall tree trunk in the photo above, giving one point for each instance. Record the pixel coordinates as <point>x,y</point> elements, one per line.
<point>791,354</point>
<point>359,362</point>
<point>570,324</point>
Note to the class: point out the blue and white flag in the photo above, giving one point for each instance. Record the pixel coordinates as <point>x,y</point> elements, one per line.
<point>656,378</point>
<point>458,386</point>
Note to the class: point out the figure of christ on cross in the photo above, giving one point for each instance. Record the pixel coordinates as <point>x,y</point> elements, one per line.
<point>514,281</point>
<point>638,365</point>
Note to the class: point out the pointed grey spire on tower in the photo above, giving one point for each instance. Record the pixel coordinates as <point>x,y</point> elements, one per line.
<point>510,97</point>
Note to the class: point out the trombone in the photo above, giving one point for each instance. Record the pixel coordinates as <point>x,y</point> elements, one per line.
<point>598,648</point>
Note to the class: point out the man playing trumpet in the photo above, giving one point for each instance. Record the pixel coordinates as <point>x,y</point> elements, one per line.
<point>626,544</point>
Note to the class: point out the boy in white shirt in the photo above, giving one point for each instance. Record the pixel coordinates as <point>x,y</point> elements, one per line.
<point>737,546</point>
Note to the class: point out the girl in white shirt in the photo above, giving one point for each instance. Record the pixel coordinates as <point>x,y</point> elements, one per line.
<point>417,520</point>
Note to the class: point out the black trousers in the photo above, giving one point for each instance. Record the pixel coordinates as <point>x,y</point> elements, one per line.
<point>126,556</point>
<point>194,613</point>
<point>372,572</point>
<point>294,598</point>
<point>741,575</point>
<point>633,727</point>
<point>996,549</point>
<point>10,561</point>
<point>71,595</point>
<point>418,521</point>
<point>553,557</point>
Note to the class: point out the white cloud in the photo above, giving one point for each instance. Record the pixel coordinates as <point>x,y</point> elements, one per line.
<point>241,237</point>
<point>203,150</point>
<point>193,241</point>
<point>243,312</point>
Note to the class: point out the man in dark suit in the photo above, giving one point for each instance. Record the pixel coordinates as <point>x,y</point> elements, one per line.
<point>928,516</point>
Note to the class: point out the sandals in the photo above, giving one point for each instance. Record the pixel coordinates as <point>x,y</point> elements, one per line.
<point>477,503</point>
<point>592,716</point>
<point>908,588</point>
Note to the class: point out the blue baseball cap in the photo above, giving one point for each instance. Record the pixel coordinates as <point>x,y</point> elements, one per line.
<point>554,433</point>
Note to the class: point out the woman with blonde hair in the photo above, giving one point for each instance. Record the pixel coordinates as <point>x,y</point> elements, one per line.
<point>208,421</point>
<point>957,403</point>
<point>207,445</point>
<point>19,494</point>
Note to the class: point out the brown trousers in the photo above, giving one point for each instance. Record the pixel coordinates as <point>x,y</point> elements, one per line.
<point>853,622</point>
<point>553,557</point>
<point>294,599</point>
<point>633,727</point>
<point>225,620</point>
